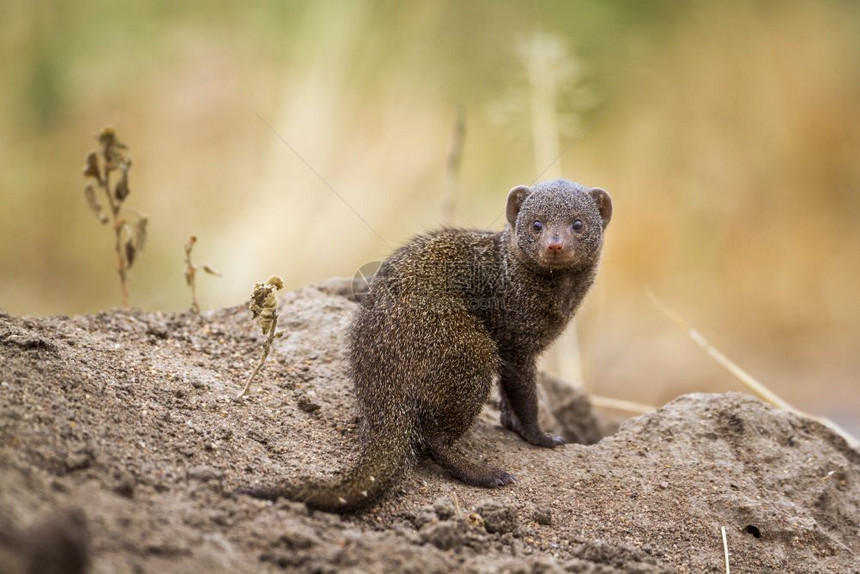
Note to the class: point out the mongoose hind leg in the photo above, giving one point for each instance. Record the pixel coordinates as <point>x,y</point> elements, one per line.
<point>519,404</point>
<point>464,470</point>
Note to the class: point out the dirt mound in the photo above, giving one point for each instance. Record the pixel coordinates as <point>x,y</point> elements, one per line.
<point>123,425</point>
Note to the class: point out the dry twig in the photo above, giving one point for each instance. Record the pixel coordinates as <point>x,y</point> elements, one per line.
<point>191,273</point>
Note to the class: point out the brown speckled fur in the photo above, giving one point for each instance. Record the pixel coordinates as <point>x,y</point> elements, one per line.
<point>446,315</point>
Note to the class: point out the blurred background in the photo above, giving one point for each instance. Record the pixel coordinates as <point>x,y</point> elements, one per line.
<point>307,138</point>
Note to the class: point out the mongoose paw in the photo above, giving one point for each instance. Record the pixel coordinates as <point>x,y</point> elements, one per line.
<point>546,440</point>
<point>500,478</point>
<point>485,477</point>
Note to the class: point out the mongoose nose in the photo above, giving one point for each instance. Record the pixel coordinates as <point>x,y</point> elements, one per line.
<point>555,246</point>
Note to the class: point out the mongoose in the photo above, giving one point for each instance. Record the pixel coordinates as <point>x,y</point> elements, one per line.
<point>447,314</point>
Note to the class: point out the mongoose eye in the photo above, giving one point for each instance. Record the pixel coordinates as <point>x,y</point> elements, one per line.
<point>577,225</point>
<point>537,226</point>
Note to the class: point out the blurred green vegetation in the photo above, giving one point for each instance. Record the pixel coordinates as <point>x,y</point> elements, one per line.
<point>727,133</point>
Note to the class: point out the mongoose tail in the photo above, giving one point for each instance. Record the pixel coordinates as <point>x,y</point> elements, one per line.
<point>383,458</point>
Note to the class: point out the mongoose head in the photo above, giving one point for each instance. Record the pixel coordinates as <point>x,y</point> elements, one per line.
<point>558,224</point>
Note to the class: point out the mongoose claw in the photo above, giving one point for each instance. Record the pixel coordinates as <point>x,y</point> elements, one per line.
<point>499,478</point>
<point>556,440</point>
<point>537,438</point>
<point>504,479</point>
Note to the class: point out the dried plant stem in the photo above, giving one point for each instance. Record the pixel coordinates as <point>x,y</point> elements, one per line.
<point>620,405</point>
<point>725,548</point>
<point>270,337</point>
<point>98,167</point>
<point>195,306</point>
<point>117,232</point>
<point>742,375</point>
<point>191,274</point>
<point>452,168</point>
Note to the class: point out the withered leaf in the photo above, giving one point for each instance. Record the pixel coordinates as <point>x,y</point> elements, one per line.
<point>91,167</point>
<point>189,276</point>
<point>210,271</point>
<point>93,203</point>
<point>140,232</point>
<point>130,252</point>
<point>121,189</point>
<point>264,302</point>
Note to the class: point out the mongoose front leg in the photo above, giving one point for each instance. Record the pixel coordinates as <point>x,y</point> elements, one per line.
<point>519,403</point>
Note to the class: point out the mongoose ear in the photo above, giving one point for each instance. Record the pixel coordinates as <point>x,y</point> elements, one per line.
<point>516,196</point>
<point>604,204</point>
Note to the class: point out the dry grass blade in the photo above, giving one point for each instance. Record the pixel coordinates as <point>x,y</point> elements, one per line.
<point>725,548</point>
<point>721,359</point>
<point>741,374</point>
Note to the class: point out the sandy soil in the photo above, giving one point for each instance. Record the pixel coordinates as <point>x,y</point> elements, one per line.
<point>121,445</point>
